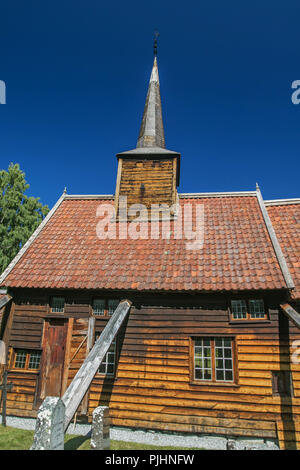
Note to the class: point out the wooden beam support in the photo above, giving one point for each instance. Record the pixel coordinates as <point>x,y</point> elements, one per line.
<point>292,314</point>
<point>4,300</point>
<point>82,380</point>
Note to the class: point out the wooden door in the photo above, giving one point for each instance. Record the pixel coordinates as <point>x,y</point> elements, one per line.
<point>53,357</point>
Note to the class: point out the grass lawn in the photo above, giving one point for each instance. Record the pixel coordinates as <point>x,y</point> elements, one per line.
<point>20,439</point>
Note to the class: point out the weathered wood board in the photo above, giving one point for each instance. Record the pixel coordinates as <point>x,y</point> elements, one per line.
<point>82,380</point>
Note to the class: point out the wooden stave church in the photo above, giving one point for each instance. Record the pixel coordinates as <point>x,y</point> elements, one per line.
<point>59,292</point>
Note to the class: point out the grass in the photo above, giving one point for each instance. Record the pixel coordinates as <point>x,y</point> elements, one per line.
<point>20,439</point>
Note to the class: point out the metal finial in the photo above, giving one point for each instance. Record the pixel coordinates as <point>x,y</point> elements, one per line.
<point>65,190</point>
<point>156,34</point>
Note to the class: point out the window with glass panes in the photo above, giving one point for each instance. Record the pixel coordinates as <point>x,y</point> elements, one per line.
<point>99,307</point>
<point>223,359</point>
<point>107,366</point>
<point>27,359</point>
<point>104,307</point>
<point>57,304</point>
<point>239,309</point>
<point>257,308</point>
<point>213,359</point>
<point>202,359</point>
<point>112,305</point>
<point>248,310</point>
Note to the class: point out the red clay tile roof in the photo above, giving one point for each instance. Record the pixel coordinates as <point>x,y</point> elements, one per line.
<point>286,222</point>
<point>237,253</point>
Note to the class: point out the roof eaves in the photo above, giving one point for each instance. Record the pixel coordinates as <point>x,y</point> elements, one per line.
<point>31,239</point>
<point>277,248</point>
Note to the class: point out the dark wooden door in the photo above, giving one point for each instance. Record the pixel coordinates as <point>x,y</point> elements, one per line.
<point>53,358</point>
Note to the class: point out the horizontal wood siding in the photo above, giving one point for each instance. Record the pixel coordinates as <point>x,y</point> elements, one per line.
<point>152,387</point>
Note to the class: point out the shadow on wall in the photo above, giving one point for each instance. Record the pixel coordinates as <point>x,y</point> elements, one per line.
<point>108,382</point>
<point>283,385</point>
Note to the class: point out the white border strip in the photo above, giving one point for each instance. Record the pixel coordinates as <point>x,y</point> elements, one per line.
<point>219,194</point>
<point>89,196</point>
<point>31,239</point>
<point>277,248</point>
<point>282,202</point>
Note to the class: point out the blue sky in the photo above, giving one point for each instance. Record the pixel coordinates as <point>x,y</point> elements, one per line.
<point>77,73</point>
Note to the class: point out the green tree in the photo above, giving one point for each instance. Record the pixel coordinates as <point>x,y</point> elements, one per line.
<point>20,215</point>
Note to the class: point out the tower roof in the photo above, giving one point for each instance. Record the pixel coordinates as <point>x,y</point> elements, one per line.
<point>152,129</point>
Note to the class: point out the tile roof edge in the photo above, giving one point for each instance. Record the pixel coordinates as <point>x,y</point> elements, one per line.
<point>89,196</point>
<point>276,246</point>
<point>181,195</point>
<point>217,194</point>
<point>282,202</point>
<point>31,239</point>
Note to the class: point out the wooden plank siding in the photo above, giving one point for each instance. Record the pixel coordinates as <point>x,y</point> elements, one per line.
<point>158,177</point>
<point>152,387</point>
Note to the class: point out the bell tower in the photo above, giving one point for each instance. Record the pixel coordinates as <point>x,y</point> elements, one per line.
<point>149,174</point>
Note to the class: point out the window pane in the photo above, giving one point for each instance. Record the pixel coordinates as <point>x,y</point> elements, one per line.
<point>223,359</point>
<point>57,304</point>
<point>197,362</point>
<point>227,352</point>
<point>98,307</point>
<point>207,364</point>
<point>220,375</point>
<point>112,305</point>
<point>257,308</point>
<point>107,366</point>
<point>219,352</point>
<point>34,360</point>
<point>20,359</point>
<point>239,309</point>
<point>202,359</point>
<point>229,375</point>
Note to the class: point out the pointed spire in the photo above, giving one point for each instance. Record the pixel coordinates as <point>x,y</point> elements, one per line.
<point>152,129</point>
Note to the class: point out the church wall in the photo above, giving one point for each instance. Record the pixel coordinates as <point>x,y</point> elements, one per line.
<point>153,386</point>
